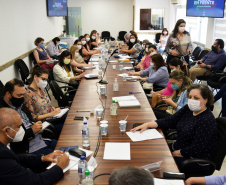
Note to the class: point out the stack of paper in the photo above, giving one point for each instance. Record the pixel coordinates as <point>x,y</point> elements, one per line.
<point>89,67</point>
<point>168,182</point>
<point>146,135</point>
<point>73,164</point>
<point>62,112</point>
<point>127,101</point>
<point>94,60</point>
<point>111,151</point>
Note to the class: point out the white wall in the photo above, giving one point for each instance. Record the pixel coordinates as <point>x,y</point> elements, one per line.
<point>105,15</point>
<point>21,22</point>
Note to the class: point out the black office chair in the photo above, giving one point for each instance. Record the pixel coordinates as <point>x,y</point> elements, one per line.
<point>201,55</point>
<point>216,80</point>
<point>121,35</point>
<point>1,89</point>
<point>64,100</point>
<point>32,58</point>
<point>218,155</point>
<point>105,34</point>
<point>195,53</point>
<point>24,71</point>
<point>157,37</point>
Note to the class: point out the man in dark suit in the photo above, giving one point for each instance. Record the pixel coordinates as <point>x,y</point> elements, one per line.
<point>33,142</point>
<point>13,169</point>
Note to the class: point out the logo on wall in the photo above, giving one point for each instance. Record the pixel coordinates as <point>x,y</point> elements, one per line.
<point>201,4</point>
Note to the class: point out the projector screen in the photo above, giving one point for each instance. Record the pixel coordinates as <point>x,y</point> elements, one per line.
<point>205,8</point>
<point>56,8</point>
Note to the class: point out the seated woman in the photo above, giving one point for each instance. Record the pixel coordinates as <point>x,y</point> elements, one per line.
<point>94,40</point>
<point>146,62</point>
<point>157,73</point>
<point>180,83</point>
<point>196,129</point>
<point>77,60</point>
<point>163,40</point>
<point>174,64</point>
<point>40,54</point>
<point>146,53</point>
<point>53,48</point>
<point>142,53</point>
<point>134,47</point>
<point>63,72</point>
<point>85,52</point>
<point>37,100</point>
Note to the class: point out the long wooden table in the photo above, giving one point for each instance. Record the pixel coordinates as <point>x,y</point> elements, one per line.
<point>142,153</point>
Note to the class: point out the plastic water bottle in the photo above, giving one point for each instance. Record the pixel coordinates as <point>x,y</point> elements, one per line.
<point>115,85</point>
<point>100,63</point>
<point>82,166</point>
<point>85,136</point>
<point>88,180</point>
<point>114,108</point>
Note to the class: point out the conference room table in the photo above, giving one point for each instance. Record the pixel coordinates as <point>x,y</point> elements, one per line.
<point>87,98</point>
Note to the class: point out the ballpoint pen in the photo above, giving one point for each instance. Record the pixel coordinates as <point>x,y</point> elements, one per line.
<point>134,92</point>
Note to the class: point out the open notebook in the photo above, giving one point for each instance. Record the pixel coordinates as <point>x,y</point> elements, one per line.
<point>127,101</point>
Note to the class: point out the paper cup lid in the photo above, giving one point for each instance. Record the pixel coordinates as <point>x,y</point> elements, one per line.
<point>104,121</point>
<point>103,125</point>
<point>122,121</point>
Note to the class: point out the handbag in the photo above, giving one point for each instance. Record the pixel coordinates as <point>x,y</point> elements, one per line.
<point>147,85</point>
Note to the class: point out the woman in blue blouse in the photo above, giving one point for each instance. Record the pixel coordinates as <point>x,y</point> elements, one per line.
<point>157,73</point>
<point>196,129</point>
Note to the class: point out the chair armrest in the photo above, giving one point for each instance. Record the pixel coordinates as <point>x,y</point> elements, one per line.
<point>47,133</point>
<point>202,161</point>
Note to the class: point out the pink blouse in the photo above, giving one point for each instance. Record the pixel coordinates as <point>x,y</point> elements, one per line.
<point>146,62</point>
<point>169,91</point>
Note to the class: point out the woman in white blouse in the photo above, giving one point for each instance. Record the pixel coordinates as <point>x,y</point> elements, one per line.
<point>63,72</point>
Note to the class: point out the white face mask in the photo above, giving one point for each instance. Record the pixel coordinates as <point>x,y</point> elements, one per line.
<point>76,54</point>
<point>152,64</point>
<point>194,105</point>
<point>132,40</point>
<point>181,29</point>
<point>83,42</point>
<point>93,37</point>
<point>87,39</point>
<point>19,135</point>
<point>143,46</point>
<point>153,53</point>
<point>146,50</point>
<point>165,32</point>
<point>42,84</point>
<point>79,47</point>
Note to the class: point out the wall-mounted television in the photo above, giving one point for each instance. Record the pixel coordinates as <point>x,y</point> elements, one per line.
<point>205,8</point>
<point>56,8</point>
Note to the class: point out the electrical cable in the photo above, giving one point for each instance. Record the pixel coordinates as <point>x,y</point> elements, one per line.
<point>101,175</point>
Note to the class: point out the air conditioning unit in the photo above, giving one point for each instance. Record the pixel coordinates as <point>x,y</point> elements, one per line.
<point>175,1</point>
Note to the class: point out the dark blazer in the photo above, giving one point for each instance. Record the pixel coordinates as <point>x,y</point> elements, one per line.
<point>23,146</point>
<point>13,169</point>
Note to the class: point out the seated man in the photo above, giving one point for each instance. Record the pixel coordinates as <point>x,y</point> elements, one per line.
<point>131,176</point>
<point>214,60</point>
<point>32,142</point>
<point>13,169</point>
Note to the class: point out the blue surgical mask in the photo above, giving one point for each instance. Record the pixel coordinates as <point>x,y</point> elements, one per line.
<point>41,45</point>
<point>175,86</point>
